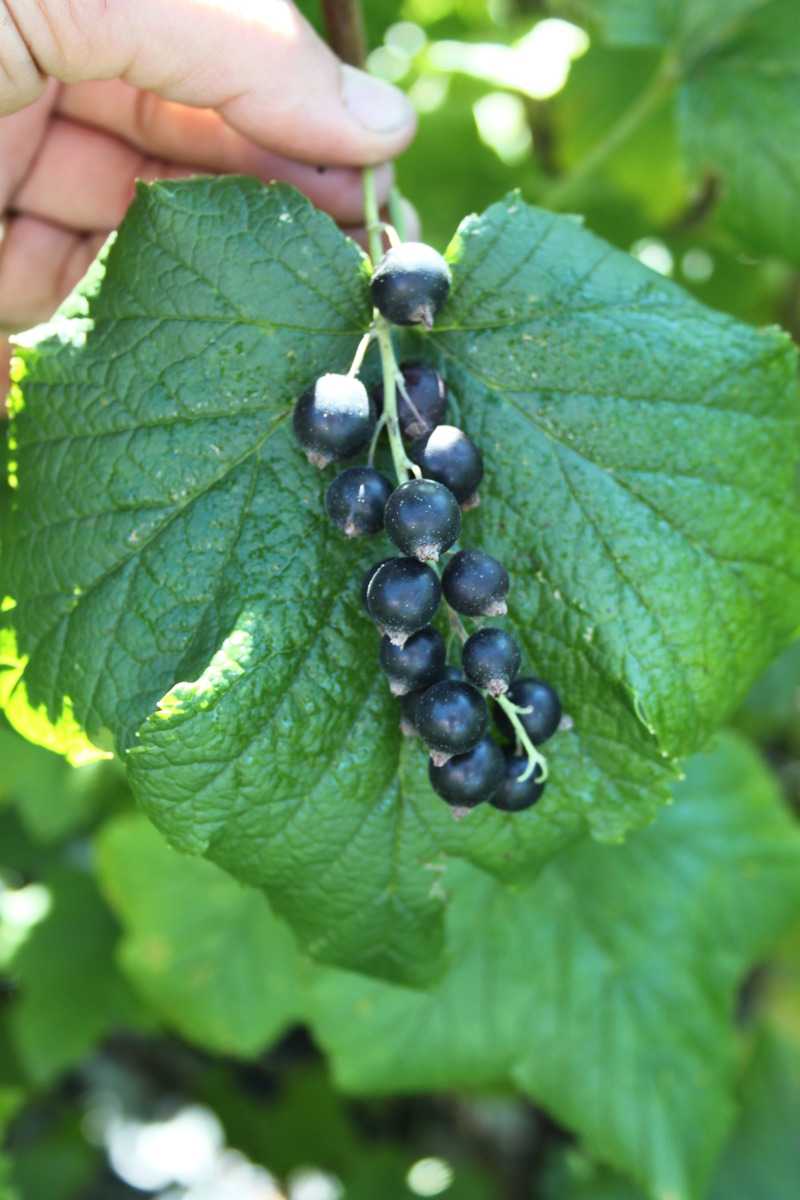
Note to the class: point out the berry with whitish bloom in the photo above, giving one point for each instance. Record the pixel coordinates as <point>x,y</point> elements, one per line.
<point>410,284</point>
<point>447,455</point>
<point>476,584</point>
<point>334,419</point>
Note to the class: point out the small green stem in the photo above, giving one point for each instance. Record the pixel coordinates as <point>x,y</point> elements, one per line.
<point>397,213</point>
<point>403,465</point>
<point>657,89</point>
<point>535,759</point>
<point>360,354</point>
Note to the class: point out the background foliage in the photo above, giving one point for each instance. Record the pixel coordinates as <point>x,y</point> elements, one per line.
<point>626,1022</point>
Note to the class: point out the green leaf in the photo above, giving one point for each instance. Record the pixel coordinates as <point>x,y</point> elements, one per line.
<point>205,952</point>
<point>192,603</point>
<point>53,799</point>
<point>771,711</point>
<point>736,100</point>
<point>604,990</point>
<point>70,994</point>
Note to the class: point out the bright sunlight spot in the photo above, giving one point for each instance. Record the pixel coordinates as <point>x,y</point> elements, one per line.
<point>311,1184</point>
<point>653,254</point>
<point>181,1149</point>
<point>430,1177</point>
<point>407,37</point>
<point>697,265</point>
<point>388,62</point>
<point>429,93</point>
<point>502,125</point>
<point>537,65</point>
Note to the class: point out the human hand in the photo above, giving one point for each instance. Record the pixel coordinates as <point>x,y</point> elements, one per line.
<point>95,94</point>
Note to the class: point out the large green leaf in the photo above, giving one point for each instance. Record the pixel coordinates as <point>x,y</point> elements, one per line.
<point>604,989</point>
<point>734,76</point>
<point>205,952</point>
<point>173,569</point>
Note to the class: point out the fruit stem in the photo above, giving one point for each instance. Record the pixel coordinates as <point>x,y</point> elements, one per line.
<point>397,213</point>
<point>361,351</point>
<point>403,465</point>
<point>535,759</point>
<point>456,624</point>
<point>344,25</point>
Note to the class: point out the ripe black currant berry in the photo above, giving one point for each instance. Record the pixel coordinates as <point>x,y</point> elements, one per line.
<point>410,284</point>
<point>543,719</point>
<point>450,457</point>
<point>367,579</point>
<point>356,499</point>
<point>491,659</point>
<point>409,702</point>
<point>514,795</point>
<point>402,597</point>
<point>451,718</point>
<point>476,584</point>
<point>419,663</point>
<point>424,403</point>
<point>334,419</point>
<point>422,518</point>
<point>468,779</point>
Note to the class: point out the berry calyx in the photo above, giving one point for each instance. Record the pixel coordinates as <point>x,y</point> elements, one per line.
<point>422,518</point>
<point>469,779</point>
<point>402,597</point>
<point>491,659</point>
<point>410,284</point>
<point>476,584</point>
<point>447,455</point>
<point>356,499</point>
<point>334,419</point>
<point>424,403</point>
<point>417,664</point>
<point>513,794</point>
<point>451,718</point>
<point>545,709</point>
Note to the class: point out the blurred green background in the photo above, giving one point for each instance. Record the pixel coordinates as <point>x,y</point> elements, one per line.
<point>100,1098</point>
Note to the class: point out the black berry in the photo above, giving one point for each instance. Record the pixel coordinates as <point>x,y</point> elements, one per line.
<point>417,664</point>
<point>451,717</point>
<point>514,795</point>
<point>491,659</point>
<point>422,518</point>
<point>334,419</point>
<point>476,584</point>
<point>367,579</point>
<point>356,499</point>
<point>450,457</point>
<point>402,597</point>
<point>410,284</point>
<point>468,779</point>
<point>424,403</point>
<point>543,719</point>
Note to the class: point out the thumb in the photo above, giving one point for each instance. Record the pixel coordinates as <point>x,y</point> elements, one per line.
<point>257,62</point>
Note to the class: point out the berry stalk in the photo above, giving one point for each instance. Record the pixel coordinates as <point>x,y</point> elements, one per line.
<point>403,465</point>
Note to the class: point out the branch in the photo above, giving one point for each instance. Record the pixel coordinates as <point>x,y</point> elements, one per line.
<point>344,25</point>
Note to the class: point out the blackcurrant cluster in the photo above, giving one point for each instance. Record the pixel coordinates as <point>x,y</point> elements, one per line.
<point>444,704</point>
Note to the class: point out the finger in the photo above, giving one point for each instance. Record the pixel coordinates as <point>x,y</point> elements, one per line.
<point>257,62</point>
<point>40,264</point>
<point>85,180</point>
<point>20,136</point>
<point>165,130</point>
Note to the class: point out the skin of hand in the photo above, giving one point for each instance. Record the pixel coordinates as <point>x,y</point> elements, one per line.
<point>95,94</point>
